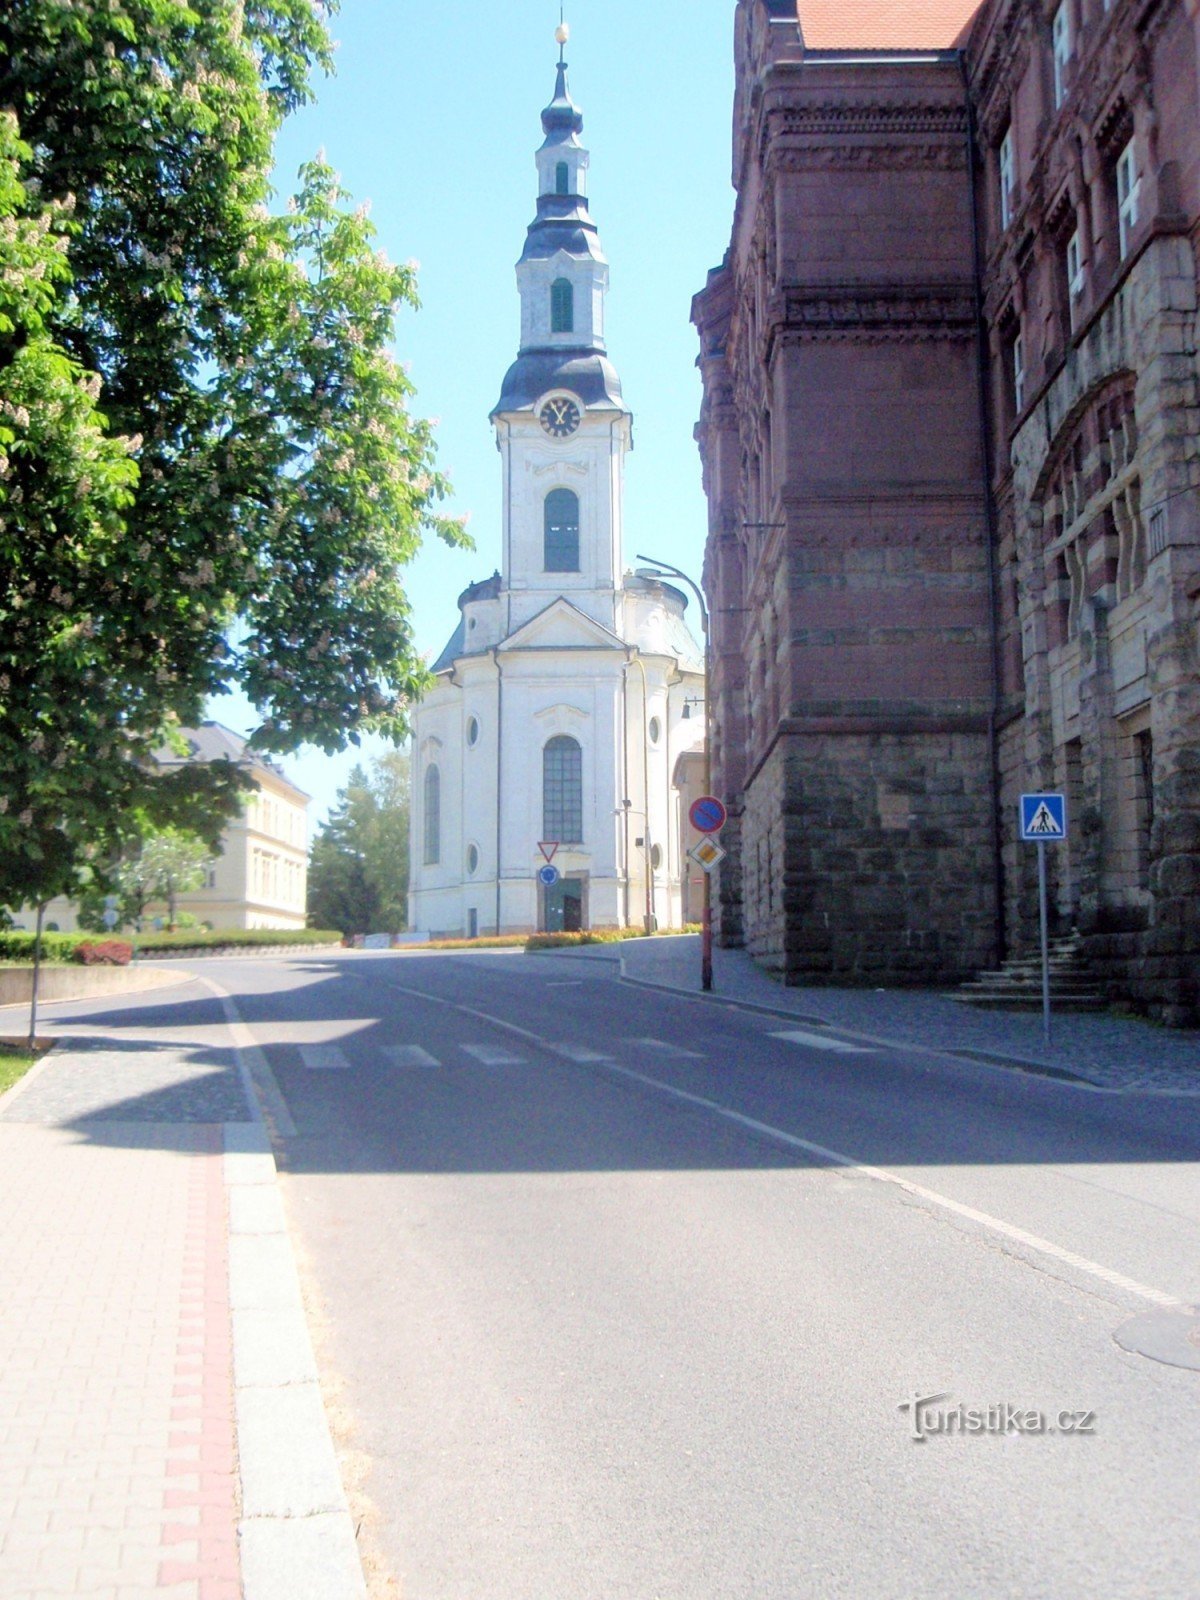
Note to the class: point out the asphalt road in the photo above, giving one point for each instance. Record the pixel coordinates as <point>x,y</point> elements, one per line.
<point>626,1292</point>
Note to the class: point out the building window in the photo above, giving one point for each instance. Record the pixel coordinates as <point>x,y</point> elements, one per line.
<point>1018,373</point>
<point>1060,41</point>
<point>655,730</point>
<point>562,178</point>
<point>1128,185</point>
<point>562,790</point>
<point>1143,755</point>
<point>1075,278</point>
<point>1007,178</point>
<point>472,731</point>
<point>472,858</point>
<point>560,519</point>
<point>433,816</point>
<point>562,307</point>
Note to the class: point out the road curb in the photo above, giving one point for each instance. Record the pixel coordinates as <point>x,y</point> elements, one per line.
<point>961,1057</point>
<point>295,1535</point>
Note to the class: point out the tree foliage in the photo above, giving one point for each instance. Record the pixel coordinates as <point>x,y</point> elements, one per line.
<point>358,865</point>
<point>209,475</point>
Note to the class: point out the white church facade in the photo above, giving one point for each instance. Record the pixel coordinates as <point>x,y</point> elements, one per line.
<point>565,727</point>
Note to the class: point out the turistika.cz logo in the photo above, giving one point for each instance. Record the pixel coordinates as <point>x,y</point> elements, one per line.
<point>929,1416</point>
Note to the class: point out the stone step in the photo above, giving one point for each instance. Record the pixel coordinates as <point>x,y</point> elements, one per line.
<point>1022,1002</point>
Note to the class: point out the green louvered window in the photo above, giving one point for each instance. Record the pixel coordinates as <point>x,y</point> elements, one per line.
<point>562,178</point>
<point>562,307</point>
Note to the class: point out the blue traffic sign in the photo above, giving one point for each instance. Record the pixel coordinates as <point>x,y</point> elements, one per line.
<point>707,814</point>
<point>1043,818</point>
<point>548,875</point>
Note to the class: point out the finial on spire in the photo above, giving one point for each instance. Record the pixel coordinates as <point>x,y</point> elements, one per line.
<point>562,33</point>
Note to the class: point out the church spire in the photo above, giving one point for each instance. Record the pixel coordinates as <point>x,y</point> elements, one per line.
<point>562,276</point>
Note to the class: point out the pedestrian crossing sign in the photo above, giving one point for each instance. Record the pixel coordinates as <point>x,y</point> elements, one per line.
<point>1043,818</point>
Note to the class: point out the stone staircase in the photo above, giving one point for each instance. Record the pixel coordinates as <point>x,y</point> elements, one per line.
<point>1017,985</point>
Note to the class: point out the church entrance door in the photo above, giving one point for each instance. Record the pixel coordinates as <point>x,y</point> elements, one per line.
<point>562,906</point>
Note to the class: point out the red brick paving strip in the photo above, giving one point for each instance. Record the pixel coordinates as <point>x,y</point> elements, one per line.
<point>202,1446</point>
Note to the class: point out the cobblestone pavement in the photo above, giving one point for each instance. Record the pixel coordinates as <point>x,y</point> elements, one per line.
<point>118,1473</point>
<point>1109,1052</point>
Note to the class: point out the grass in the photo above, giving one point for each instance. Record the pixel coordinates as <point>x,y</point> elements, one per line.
<point>14,1064</point>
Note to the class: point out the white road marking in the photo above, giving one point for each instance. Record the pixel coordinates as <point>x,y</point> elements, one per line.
<point>409,1055</point>
<point>580,1053</point>
<point>1031,1241</point>
<point>663,1048</point>
<point>324,1058</point>
<point>821,1041</point>
<point>491,1055</point>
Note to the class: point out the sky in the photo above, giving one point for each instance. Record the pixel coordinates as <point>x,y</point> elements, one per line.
<point>434,116</point>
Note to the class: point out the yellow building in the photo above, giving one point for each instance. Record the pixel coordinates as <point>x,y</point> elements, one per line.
<point>260,878</point>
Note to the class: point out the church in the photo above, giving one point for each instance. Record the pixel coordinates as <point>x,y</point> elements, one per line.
<point>556,754</point>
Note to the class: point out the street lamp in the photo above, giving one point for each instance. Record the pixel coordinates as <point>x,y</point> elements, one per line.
<point>660,569</point>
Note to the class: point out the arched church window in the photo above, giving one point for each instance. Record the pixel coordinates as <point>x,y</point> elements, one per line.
<point>560,519</point>
<point>433,816</point>
<point>562,178</point>
<point>562,306</point>
<point>562,790</point>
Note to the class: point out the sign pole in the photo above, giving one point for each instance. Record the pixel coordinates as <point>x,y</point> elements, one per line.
<point>1042,917</point>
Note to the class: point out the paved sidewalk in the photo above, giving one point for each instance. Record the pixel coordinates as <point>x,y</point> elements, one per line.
<point>1114,1053</point>
<point>161,1430</point>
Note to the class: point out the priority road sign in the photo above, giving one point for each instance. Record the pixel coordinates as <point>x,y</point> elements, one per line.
<point>548,875</point>
<point>707,854</point>
<point>707,814</point>
<point>1043,818</point>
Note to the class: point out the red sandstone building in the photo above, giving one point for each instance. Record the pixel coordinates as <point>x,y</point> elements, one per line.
<point>951,445</point>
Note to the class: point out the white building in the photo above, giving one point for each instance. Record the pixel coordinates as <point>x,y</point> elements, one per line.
<point>569,694</point>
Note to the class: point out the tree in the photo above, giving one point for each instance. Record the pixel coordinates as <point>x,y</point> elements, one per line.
<point>209,475</point>
<point>358,866</point>
<point>168,862</point>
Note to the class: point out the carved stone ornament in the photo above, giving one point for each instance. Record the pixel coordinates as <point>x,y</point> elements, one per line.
<point>875,157</point>
<point>867,313</point>
<point>839,120</point>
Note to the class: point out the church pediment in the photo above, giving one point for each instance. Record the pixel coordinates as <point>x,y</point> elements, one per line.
<point>562,626</point>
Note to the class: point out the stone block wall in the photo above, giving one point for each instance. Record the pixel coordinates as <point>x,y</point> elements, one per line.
<point>863,857</point>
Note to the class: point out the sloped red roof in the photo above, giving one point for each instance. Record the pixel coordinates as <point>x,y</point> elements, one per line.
<point>886,24</point>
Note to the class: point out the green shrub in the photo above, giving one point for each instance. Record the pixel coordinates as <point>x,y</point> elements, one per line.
<point>557,941</point>
<point>17,945</point>
<point>236,938</point>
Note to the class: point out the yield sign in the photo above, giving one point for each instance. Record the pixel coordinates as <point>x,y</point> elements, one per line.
<point>549,849</point>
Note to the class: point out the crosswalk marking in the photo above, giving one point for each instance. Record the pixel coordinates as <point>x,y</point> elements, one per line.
<point>409,1055</point>
<point>324,1058</point>
<point>491,1055</point>
<point>664,1048</point>
<point>821,1041</point>
<point>580,1053</point>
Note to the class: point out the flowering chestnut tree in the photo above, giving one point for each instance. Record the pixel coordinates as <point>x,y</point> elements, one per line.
<point>210,477</point>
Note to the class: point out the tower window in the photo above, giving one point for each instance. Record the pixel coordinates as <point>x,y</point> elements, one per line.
<point>562,306</point>
<point>562,790</point>
<point>562,178</point>
<point>561,523</point>
<point>433,816</point>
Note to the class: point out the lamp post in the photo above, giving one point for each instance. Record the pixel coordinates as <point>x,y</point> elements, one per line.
<point>661,569</point>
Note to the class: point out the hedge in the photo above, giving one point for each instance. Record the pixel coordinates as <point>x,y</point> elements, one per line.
<point>556,941</point>
<point>222,938</point>
<point>17,945</point>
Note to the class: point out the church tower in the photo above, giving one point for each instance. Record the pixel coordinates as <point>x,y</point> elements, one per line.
<point>551,756</point>
<point>562,427</point>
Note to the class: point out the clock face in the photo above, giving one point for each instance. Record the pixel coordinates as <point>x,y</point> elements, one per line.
<point>559,417</point>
